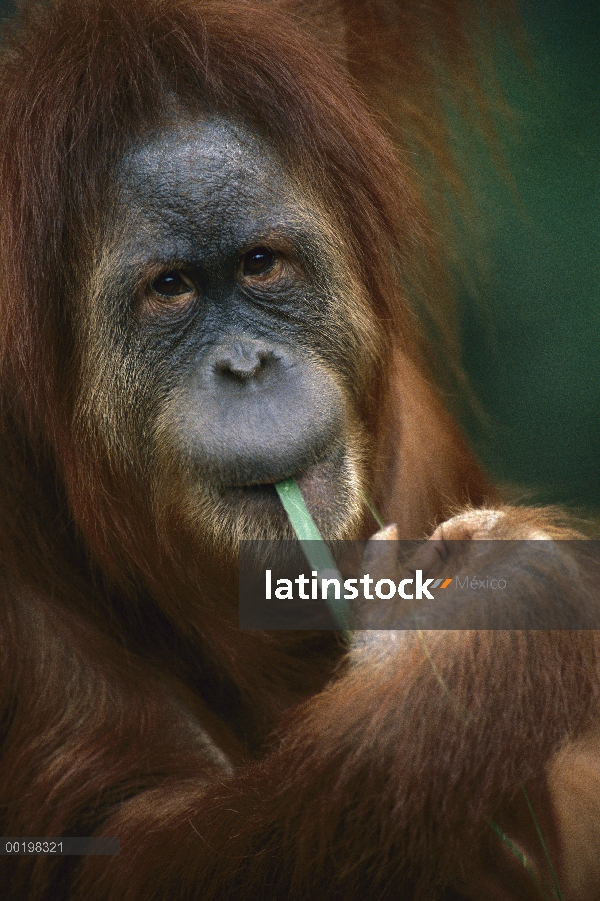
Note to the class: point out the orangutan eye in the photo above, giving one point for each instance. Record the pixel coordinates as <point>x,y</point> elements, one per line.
<point>172,284</point>
<point>258,261</point>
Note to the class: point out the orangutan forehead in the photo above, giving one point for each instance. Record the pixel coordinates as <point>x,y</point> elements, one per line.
<point>207,161</point>
<point>216,184</point>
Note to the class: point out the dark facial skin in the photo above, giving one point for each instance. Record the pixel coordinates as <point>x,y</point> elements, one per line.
<point>234,355</point>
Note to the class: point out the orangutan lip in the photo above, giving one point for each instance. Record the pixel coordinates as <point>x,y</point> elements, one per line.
<point>301,478</point>
<point>254,487</point>
<point>317,481</point>
<point>259,494</point>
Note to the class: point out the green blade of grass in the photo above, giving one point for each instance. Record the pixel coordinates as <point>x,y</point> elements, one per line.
<point>302,522</point>
<point>542,889</point>
<point>314,548</point>
<point>543,844</point>
<point>370,507</point>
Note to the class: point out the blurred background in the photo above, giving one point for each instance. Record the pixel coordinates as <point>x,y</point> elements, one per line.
<point>533,356</point>
<point>531,342</point>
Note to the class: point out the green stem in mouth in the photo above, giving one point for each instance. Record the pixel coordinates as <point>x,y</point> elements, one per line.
<point>313,546</point>
<point>370,507</point>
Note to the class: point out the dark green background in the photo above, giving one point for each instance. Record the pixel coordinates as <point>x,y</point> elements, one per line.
<point>533,356</point>
<point>534,359</point>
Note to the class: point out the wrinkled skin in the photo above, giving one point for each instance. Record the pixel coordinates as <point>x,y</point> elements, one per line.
<point>224,280</point>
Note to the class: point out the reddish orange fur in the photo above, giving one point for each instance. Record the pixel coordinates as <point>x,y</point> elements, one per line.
<point>130,704</point>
